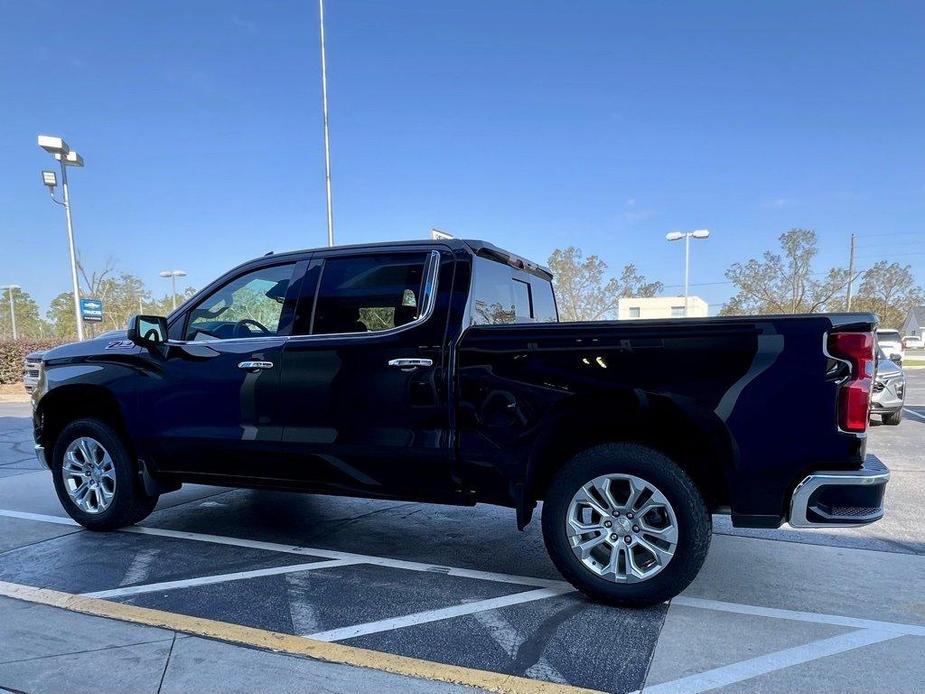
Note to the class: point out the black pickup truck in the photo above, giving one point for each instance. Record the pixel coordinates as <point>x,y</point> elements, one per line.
<point>438,371</point>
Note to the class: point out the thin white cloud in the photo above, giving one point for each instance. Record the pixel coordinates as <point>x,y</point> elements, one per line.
<point>779,203</point>
<point>242,23</point>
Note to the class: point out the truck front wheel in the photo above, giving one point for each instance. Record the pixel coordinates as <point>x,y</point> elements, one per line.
<point>626,525</point>
<point>95,478</point>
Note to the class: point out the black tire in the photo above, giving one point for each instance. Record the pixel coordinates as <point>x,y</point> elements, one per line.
<point>693,520</point>
<point>893,418</point>
<point>129,503</point>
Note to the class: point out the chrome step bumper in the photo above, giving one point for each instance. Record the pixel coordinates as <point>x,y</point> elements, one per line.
<point>841,498</point>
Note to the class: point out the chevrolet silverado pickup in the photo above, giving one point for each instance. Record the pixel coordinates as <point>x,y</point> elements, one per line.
<point>439,372</point>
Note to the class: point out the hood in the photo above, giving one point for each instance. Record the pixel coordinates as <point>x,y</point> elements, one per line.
<point>98,345</point>
<point>887,368</point>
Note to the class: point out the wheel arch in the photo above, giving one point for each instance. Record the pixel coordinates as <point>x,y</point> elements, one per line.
<point>697,440</point>
<point>67,403</point>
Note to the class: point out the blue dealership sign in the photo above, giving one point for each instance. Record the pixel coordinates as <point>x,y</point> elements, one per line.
<point>91,310</point>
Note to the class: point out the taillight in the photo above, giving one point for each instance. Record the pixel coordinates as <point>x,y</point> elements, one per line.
<point>854,394</point>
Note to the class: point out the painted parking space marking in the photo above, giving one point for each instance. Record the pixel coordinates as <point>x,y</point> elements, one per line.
<point>140,568</point>
<point>763,664</point>
<point>703,603</point>
<point>796,615</point>
<point>41,517</point>
<point>438,615</point>
<point>363,558</point>
<point>506,635</point>
<point>289,643</point>
<point>307,621</point>
<point>914,413</point>
<point>218,578</point>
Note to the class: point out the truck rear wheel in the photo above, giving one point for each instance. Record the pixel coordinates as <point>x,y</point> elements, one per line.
<point>95,478</point>
<point>625,525</point>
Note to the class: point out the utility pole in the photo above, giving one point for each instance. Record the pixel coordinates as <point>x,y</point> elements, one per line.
<point>324,111</point>
<point>11,288</point>
<point>850,274</point>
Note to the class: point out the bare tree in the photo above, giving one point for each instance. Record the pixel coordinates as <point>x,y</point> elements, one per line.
<point>784,282</point>
<point>582,290</point>
<point>889,290</point>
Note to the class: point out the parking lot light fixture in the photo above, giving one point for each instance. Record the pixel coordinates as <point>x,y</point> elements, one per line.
<point>71,158</point>
<point>10,288</point>
<point>53,144</point>
<point>173,274</point>
<point>687,236</point>
<point>59,149</point>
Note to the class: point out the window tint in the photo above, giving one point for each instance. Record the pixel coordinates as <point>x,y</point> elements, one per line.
<point>249,306</point>
<point>369,293</point>
<point>544,302</point>
<point>499,295</point>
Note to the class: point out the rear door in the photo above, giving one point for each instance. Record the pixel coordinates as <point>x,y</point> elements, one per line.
<point>365,374</point>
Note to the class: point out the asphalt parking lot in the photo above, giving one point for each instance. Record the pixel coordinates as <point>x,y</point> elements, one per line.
<point>784,611</point>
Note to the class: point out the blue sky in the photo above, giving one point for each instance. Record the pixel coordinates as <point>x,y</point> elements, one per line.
<point>602,124</point>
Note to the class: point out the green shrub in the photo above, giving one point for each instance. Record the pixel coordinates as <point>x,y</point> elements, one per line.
<point>13,355</point>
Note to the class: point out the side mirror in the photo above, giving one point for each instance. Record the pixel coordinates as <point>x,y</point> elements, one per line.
<point>147,330</point>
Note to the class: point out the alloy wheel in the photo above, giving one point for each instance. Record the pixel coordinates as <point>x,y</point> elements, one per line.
<point>89,475</point>
<point>622,528</point>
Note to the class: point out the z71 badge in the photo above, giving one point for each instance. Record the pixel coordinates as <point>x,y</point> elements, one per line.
<point>120,344</point>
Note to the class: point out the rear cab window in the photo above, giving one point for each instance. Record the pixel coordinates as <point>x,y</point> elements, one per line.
<point>503,294</point>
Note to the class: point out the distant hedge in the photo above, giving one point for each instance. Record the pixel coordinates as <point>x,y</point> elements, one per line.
<point>13,354</point>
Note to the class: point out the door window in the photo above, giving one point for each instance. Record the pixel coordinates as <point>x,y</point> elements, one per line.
<point>499,297</point>
<point>248,306</point>
<point>369,293</point>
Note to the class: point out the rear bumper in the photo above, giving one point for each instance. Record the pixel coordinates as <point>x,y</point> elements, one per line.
<point>840,499</point>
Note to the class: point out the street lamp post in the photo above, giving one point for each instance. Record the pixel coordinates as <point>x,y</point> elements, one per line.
<point>59,149</point>
<point>10,288</point>
<point>173,274</point>
<point>324,117</point>
<point>687,235</point>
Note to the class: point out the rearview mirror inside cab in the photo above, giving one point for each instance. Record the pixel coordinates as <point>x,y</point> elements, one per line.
<point>147,330</point>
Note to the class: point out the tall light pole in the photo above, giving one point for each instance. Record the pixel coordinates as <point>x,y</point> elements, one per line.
<point>59,149</point>
<point>687,236</point>
<point>324,113</point>
<point>173,274</point>
<point>10,288</point>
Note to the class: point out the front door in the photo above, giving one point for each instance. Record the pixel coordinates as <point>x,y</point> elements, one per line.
<point>214,409</point>
<point>365,375</point>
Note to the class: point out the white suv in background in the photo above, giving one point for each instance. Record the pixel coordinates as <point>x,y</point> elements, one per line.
<point>913,342</point>
<point>891,343</point>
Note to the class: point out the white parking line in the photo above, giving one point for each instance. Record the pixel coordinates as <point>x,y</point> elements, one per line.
<point>218,578</point>
<point>763,664</point>
<point>23,515</point>
<point>738,608</point>
<point>437,615</point>
<point>914,413</point>
<point>510,640</point>
<point>359,558</point>
<point>795,615</point>
<point>140,568</point>
<point>310,552</point>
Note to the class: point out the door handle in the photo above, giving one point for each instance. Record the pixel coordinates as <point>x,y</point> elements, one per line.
<point>255,365</point>
<point>410,363</point>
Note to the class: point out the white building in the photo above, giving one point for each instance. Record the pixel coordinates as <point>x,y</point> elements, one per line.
<point>661,307</point>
